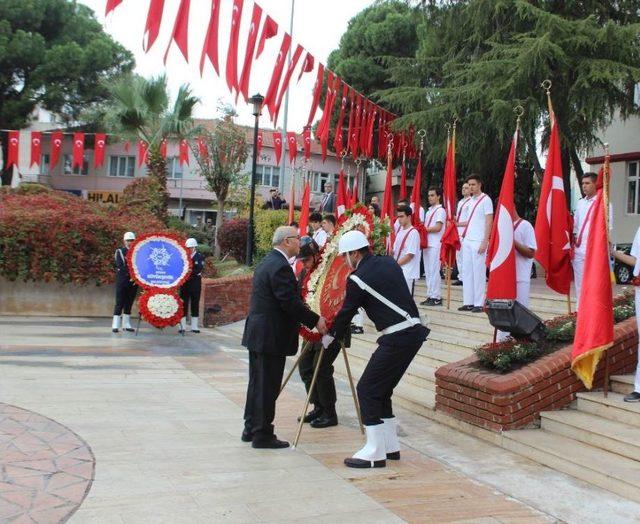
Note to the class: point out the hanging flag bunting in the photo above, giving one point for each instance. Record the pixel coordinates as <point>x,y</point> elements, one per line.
<point>292,144</point>
<point>403,178</point>
<point>307,65</point>
<point>269,30</point>
<point>325,123</point>
<point>99,150</point>
<point>163,148</point>
<point>183,152</point>
<point>342,200</point>
<point>210,46</point>
<point>248,54</point>
<point>338,134</point>
<point>303,223</point>
<point>56,147</point>
<point>277,145</point>
<point>142,152</point>
<point>78,150</point>
<point>180,31</point>
<point>285,82</point>
<point>317,90</point>
<point>364,121</point>
<point>202,147</point>
<point>13,149</point>
<point>354,195</point>
<point>501,254</point>
<point>278,67</point>
<point>259,143</point>
<point>36,147</point>
<point>306,138</point>
<point>372,123</point>
<point>152,27</point>
<point>355,135</point>
<point>450,241</point>
<point>416,195</point>
<point>351,118</point>
<point>232,53</point>
<point>111,5</point>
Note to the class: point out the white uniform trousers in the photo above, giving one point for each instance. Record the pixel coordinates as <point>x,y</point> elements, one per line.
<point>358,318</point>
<point>637,382</point>
<point>578,271</point>
<point>474,278</point>
<point>459,261</point>
<point>523,292</point>
<point>431,260</point>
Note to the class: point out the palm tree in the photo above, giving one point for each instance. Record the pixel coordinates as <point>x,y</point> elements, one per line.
<point>139,110</point>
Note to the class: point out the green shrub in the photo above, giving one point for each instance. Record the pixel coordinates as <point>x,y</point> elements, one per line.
<point>233,238</point>
<point>145,195</point>
<point>202,236</point>
<point>266,221</point>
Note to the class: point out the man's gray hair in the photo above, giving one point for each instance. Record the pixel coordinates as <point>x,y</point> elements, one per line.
<point>280,235</point>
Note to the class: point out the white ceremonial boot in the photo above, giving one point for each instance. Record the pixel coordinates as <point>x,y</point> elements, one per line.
<point>373,454</point>
<point>126,323</point>
<point>194,325</point>
<point>183,325</point>
<point>391,442</point>
<point>115,325</point>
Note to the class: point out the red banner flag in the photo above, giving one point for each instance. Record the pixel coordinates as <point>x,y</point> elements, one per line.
<point>450,241</point>
<point>306,138</point>
<point>142,152</point>
<point>303,224</point>
<point>163,148</point>
<point>152,26</point>
<point>13,149</point>
<point>78,150</point>
<point>403,179</point>
<point>278,67</point>
<point>355,133</point>
<point>36,147</point>
<point>202,147</point>
<point>269,30</point>
<point>325,123</point>
<point>210,46</point>
<point>292,144</point>
<point>307,65</point>
<point>100,147</point>
<point>259,146</point>
<point>354,195</point>
<point>183,157</point>
<point>594,325</point>
<point>180,31</point>
<point>338,134</point>
<point>248,53</point>
<point>416,195</point>
<point>277,145</point>
<point>342,199</point>
<point>317,89</point>
<point>285,82</point>
<point>56,147</point>
<point>501,255</point>
<point>387,199</point>
<point>111,5</point>
<point>232,53</point>
<point>553,226</point>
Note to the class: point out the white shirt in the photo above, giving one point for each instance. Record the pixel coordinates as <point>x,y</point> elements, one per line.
<point>320,236</point>
<point>524,234</point>
<point>579,218</point>
<point>291,261</point>
<point>412,246</point>
<point>462,212</point>
<point>439,216</point>
<point>477,218</point>
<point>635,252</point>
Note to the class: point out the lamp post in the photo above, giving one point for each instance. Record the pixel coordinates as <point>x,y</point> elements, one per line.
<point>256,100</point>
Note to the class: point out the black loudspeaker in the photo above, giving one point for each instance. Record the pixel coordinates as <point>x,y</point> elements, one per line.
<point>514,318</point>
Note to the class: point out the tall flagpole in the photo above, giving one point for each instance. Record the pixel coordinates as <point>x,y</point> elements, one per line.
<point>285,116</point>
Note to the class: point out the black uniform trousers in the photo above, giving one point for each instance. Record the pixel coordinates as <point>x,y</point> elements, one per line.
<point>324,391</point>
<point>190,294</point>
<point>125,296</point>
<point>265,379</point>
<point>382,374</point>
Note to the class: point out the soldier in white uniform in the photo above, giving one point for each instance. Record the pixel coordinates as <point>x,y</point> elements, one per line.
<point>475,235</point>
<point>462,215</point>
<point>433,221</point>
<point>406,248</point>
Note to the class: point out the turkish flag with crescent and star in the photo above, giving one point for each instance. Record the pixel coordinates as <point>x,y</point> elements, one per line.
<point>183,157</point>
<point>292,144</point>
<point>306,138</point>
<point>36,147</point>
<point>13,147</point>
<point>277,145</point>
<point>78,151</point>
<point>553,224</point>
<point>232,53</point>
<point>248,53</point>
<point>181,31</point>
<point>56,147</point>
<point>259,145</point>
<point>142,152</point>
<point>501,254</point>
<point>100,146</point>
<point>210,45</point>
<point>269,30</point>
<point>278,68</point>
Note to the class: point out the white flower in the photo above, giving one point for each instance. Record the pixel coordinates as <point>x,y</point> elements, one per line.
<point>163,305</point>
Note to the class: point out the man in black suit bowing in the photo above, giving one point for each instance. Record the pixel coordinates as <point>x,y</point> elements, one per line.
<point>328,202</point>
<point>271,334</point>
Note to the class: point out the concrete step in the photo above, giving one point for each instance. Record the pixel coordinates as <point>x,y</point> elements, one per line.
<point>442,340</point>
<point>612,407</point>
<point>601,468</point>
<point>615,437</point>
<point>622,384</point>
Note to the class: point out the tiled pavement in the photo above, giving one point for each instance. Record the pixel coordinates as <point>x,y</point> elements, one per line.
<point>162,415</point>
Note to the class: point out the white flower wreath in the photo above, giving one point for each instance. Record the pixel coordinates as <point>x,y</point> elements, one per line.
<point>163,305</point>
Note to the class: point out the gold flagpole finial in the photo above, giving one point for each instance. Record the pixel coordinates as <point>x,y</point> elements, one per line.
<point>422,133</point>
<point>519,111</point>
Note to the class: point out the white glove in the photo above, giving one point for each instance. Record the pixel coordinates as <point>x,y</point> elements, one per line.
<point>327,340</point>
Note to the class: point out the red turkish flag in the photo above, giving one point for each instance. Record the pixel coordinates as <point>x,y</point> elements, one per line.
<point>269,30</point>
<point>232,53</point>
<point>36,147</point>
<point>277,145</point>
<point>307,65</point>
<point>338,134</point>
<point>553,224</point>
<point>354,194</point>
<point>272,91</point>
<point>13,149</point>
<point>306,138</point>
<point>342,199</point>
<point>387,202</point>
<point>355,134</point>
<point>181,31</point>
<point>450,241</point>
<point>56,147</point>
<point>292,144</point>
<point>259,143</point>
<point>163,148</point>
<point>78,150</point>
<point>202,147</point>
<point>501,254</point>
<point>285,82</point>
<point>594,325</point>
<point>100,146</point>
<point>403,180</point>
<point>416,195</point>
<point>111,5</point>
<point>303,223</point>
<point>142,152</point>
<point>325,124</point>
<point>317,89</point>
<point>248,54</point>
<point>184,152</point>
<point>152,26</point>
<point>370,127</point>
<point>210,45</point>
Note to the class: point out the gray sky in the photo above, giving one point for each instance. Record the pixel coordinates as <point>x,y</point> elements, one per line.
<point>318,26</point>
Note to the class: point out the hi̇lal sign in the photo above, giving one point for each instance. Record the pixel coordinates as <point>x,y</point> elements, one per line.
<point>104,197</point>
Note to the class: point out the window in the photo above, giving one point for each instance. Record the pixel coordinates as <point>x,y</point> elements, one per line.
<point>68,170</point>
<point>45,164</point>
<point>633,188</point>
<point>318,180</point>
<point>267,175</point>
<point>122,165</point>
<point>175,170</point>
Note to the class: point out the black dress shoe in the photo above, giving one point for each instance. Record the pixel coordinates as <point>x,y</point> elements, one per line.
<point>181,331</point>
<point>247,436</point>
<point>115,330</point>
<point>426,302</point>
<point>357,330</point>
<point>457,283</point>
<point>312,415</point>
<point>364,464</point>
<point>395,455</point>
<point>477,309</point>
<point>632,397</point>
<point>324,422</point>
<point>130,330</point>
<point>272,443</point>
<point>465,308</point>
<point>195,331</point>
<point>435,302</point>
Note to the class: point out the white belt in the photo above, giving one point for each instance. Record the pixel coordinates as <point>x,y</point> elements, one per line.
<point>401,325</point>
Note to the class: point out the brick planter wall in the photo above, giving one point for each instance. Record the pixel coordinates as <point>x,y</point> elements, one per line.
<point>500,402</point>
<point>230,294</point>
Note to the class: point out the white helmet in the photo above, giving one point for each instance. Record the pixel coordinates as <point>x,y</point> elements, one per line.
<point>191,242</point>
<point>352,241</point>
<point>129,235</point>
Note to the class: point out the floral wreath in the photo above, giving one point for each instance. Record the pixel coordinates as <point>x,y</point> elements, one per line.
<point>357,218</point>
<point>160,307</point>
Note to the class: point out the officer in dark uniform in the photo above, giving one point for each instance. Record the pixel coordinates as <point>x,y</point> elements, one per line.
<point>378,285</point>
<point>190,290</point>
<point>126,288</point>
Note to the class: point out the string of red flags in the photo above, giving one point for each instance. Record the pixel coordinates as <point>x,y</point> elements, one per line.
<point>277,145</point>
<point>183,152</point>
<point>36,147</point>
<point>232,54</point>
<point>249,48</point>
<point>269,30</point>
<point>210,46</point>
<point>180,33</point>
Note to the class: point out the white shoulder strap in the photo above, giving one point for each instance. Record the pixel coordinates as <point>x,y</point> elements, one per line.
<point>366,287</point>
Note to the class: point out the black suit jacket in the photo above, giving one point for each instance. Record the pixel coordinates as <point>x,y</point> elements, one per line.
<point>330,205</point>
<point>276,310</point>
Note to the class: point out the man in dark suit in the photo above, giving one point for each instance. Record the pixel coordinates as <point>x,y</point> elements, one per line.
<point>271,333</point>
<point>328,203</point>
